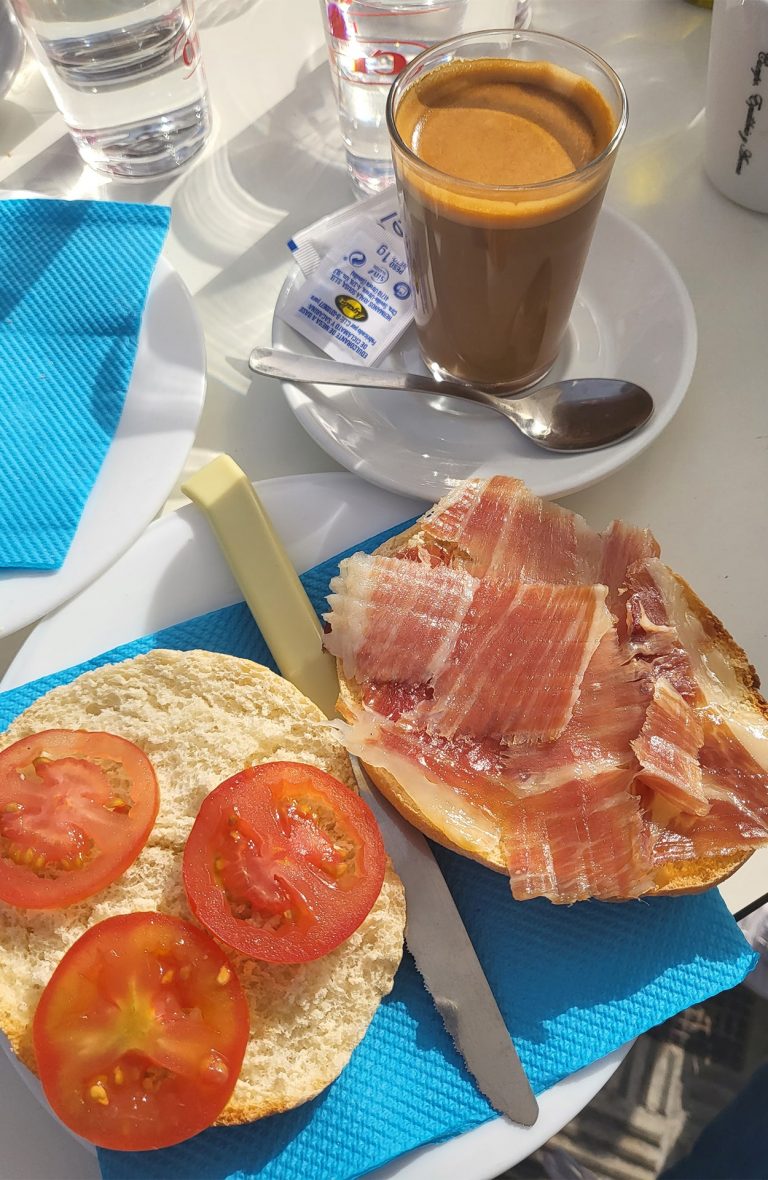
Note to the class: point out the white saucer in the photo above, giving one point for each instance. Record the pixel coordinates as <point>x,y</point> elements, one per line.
<point>633,318</point>
<point>153,438</point>
<point>11,47</point>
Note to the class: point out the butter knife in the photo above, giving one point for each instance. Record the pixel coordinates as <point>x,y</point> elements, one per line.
<point>435,933</point>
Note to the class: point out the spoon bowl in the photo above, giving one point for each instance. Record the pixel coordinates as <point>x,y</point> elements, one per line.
<point>581,414</point>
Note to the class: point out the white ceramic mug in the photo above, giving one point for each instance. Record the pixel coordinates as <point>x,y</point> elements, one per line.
<point>736,150</point>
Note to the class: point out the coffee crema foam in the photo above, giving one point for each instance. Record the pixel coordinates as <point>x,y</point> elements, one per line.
<point>495,122</point>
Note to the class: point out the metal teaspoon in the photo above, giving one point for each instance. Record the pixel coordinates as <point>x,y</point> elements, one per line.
<point>582,414</point>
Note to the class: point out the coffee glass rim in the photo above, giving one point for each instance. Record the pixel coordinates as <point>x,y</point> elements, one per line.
<point>401,84</point>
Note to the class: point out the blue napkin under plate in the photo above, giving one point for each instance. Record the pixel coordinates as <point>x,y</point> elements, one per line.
<point>74,277</point>
<point>573,983</point>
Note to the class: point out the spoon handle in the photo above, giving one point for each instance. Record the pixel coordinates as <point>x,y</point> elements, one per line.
<point>289,366</point>
<point>583,414</point>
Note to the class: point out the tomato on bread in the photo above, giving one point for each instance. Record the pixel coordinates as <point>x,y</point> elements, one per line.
<point>76,809</point>
<point>283,862</point>
<point>140,1032</point>
<point>201,717</point>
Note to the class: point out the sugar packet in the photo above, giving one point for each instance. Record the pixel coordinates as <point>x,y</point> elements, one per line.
<point>356,298</point>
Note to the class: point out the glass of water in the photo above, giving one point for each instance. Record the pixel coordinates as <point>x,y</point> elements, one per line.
<point>370,42</point>
<point>127,77</point>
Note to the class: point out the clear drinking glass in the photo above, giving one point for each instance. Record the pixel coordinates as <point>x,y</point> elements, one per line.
<point>496,264</point>
<point>126,75</point>
<point>370,42</point>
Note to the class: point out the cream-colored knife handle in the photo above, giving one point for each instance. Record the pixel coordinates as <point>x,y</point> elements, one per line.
<point>270,584</point>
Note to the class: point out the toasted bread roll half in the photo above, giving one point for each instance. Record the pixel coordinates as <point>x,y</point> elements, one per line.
<point>200,717</point>
<point>452,821</point>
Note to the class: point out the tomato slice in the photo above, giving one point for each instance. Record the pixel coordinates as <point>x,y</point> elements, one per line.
<point>283,862</point>
<point>76,809</point>
<point>140,1032</point>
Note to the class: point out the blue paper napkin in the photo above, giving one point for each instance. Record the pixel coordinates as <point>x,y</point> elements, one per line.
<point>573,983</point>
<point>73,283</point>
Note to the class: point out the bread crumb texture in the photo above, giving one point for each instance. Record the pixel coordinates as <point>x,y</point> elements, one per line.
<point>200,717</point>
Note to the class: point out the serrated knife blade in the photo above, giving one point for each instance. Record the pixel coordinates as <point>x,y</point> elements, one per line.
<point>435,933</point>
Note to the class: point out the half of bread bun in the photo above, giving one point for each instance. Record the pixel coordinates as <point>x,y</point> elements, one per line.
<point>200,717</point>
<point>451,821</point>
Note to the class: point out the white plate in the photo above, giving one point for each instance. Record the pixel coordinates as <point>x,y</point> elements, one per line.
<point>633,318</point>
<point>153,438</point>
<point>174,572</point>
<point>11,47</point>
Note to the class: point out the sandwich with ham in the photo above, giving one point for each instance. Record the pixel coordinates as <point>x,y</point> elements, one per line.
<point>554,702</point>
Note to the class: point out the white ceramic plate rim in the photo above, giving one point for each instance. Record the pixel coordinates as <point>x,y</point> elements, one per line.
<point>153,438</point>
<point>175,571</point>
<point>547,474</point>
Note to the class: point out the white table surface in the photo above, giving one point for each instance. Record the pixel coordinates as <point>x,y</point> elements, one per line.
<point>274,164</point>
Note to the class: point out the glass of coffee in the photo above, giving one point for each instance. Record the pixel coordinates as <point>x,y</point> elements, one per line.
<point>503,143</point>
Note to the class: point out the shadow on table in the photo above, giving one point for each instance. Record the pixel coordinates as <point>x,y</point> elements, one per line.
<point>236,212</point>
<point>16,124</point>
<point>218,12</point>
<point>239,207</point>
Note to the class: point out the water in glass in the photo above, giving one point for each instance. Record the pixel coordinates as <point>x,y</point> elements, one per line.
<point>370,42</point>
<point>126,75</point>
